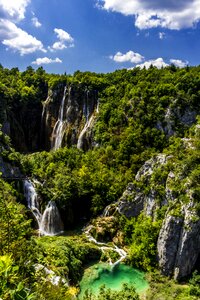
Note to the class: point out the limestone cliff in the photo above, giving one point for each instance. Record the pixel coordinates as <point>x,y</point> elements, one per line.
<point>135,199</point>
<point>32,124</point>
<point>67,112</point>
<point>160,182</point>
<point>179,242</point>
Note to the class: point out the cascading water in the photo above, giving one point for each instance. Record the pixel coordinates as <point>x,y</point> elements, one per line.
<point>111,276</point>
<point>59,128</point>
<point>83,132</point>
<point>49,223</point>
<point>89,118</point>
<point>32,200</point>
<point>104,247</point>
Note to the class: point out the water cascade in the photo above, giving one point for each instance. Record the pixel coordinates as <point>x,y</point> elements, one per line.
<point>89,118</point>
<point>59,128</point>
<point>122,254</point>
<point>32,200</point>
<point>112,275</point>
<point>49,223</point>
<point>83,132</point>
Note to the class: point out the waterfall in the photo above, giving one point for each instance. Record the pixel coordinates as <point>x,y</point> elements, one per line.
<point>86,113</point>
<point>104,247</point>
<point>59,128</point>
<point>97,109</point>
<point>49,223</point>
<point>106,212</point>
<point>32,200</point>
<point>83,132</point>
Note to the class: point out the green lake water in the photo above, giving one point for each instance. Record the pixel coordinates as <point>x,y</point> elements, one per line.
<point>114,278</point>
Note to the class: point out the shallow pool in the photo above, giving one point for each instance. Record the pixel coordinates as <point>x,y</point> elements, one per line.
<point>112,277</point>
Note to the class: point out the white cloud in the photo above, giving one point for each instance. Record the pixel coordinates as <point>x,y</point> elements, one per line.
<point>130,56</point>
<point>17,39</point>
<point>13,9</point>
<point>179,63</point>
<point>161,35</point>
<point>156,13</point>
<point>57,46</point>
<point>158,63</point>
<point>46,60</point>
<point>36,22</point>
<point>65,40</point>
<point>63,35</point>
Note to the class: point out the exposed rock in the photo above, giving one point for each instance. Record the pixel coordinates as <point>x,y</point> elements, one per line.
<point>79,106</point>
<point>179,238</point>
<point>189,244</point>
<point>168,243</point>
<point>30,124</point>
<point>105,228</point>
<point>8,171</point>
<point>174,116</point>
<point>179,243</point>
<point>135,199</point>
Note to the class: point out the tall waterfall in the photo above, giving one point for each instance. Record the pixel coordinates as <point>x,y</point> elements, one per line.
<point>83,132</point>
<point>32,200</point>
<point>49,223</point>
<point>59,128</point>
<point>89,118</point>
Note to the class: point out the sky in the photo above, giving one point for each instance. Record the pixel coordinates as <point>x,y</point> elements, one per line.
<point>98,35</point>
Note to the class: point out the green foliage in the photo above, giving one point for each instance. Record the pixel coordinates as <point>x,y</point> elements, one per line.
<point>76,179</point>
<point>66,256</point>
<point>195,285</point>
<point>141,235</point>
<point>15,228</point>
<point>127,292</point>
<point>162,287</point>
<point>132,127</point>
<point>10,287</point>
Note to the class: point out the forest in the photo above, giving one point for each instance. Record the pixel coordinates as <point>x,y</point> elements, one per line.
<point>139,156</point>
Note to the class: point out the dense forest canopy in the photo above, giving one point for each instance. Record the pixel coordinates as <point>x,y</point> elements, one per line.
<point>142,113</point>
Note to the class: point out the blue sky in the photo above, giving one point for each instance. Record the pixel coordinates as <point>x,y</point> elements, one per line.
<point>98,35</point>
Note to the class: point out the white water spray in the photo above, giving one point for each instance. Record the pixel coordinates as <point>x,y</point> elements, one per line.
<point>104,247</point>
<point>49,223</point>
<point>83,132</point>
<point>59,128</point>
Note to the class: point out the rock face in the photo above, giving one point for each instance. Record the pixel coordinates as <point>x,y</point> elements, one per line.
<point>31,125</point>
<point>75,106</point>
<point>8,171</point>
<point>168,243</point>
<point>135,199</point>
<point>178,244</point>
<point>175,117</point>
<point>23,124</point>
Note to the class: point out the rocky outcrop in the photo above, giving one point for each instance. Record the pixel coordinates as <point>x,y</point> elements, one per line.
<point>9,171</point>
<point>168,243</point>
<point>175,117</point>
<point>135,199</point>
<point>179,242</point>
<point>104,229</point>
